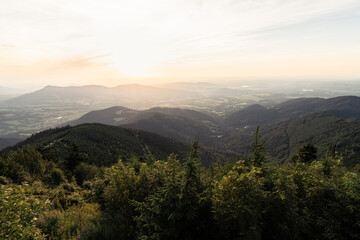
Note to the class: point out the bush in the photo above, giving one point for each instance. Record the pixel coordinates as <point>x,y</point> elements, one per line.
<point>69,223</point>
<point>19,212</point>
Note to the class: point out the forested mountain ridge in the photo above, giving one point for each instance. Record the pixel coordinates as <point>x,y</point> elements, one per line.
<point>103,145</point>
<point>344,106</point>
<point>111,116</point>
<point>285,127</point>
<point>311,198</point>
<point>325,130</point>
<point>180,124</point>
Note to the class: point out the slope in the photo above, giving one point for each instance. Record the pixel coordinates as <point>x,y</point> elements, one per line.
<point>180,124</point>
<point>322,129</point>
<point>102,144</point>
<point>344,106</point>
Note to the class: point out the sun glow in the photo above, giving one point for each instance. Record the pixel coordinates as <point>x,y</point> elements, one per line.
<point>141,38</point>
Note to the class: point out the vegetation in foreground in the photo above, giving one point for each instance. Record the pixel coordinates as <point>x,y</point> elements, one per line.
<point>310,198</point>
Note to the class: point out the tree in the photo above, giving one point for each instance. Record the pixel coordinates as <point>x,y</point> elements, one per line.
<point>238,203</point>
<point>174,210</point>
<point>258,153</point>
<point>74,158</point>
<point>306,154</point>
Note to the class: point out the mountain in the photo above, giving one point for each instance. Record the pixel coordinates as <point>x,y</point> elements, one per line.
<point>95,95</point>
<point>323,129</point>
<point>103,144</point>
<point>285,127</point>
<point>110,116</point>
<point>180,124</point>
<point>251,115</point>
<point>236,132</point>
<point>344,106</point>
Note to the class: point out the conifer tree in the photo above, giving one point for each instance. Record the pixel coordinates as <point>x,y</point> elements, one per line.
<point>258,153</point>
<point>306,154</point>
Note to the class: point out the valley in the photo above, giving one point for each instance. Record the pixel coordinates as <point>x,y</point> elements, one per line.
<point>223,119</point>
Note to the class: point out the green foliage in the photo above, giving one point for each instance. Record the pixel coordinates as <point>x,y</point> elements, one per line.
<point>117,200</point>
<point>312,198</point>
<point>322,129</point>
<point>55,177</point>
<point>23,165</point>
<point>69,223</point>
<point>258,152</point>
<point>100,145</point>
<point>238,202</point>
<point>306,154</point>
<point>86,172</point>
<point>19,212</point>
<point>176,209</point>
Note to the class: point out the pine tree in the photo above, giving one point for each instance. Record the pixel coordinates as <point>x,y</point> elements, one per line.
<point>306,154</point>
<point>258,153</point>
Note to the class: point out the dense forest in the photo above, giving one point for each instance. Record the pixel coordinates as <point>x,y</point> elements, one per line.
<point>64,195</point>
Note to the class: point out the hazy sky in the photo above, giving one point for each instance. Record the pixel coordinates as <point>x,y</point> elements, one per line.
<point>112,42</point>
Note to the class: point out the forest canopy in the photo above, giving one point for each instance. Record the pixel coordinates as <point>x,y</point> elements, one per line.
<point>313,197</point>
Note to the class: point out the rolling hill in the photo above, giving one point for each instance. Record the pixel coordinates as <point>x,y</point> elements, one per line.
<point>285,127</point>
<point>323,129</point>
<point>103,144</point>
<point>344,106</point>
<point>110,116</point>
<point>180,124</point>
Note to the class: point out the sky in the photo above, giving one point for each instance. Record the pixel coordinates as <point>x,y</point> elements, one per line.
<point>113,42</point>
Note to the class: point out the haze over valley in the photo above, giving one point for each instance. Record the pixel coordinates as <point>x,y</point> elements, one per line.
<point>223,117</point>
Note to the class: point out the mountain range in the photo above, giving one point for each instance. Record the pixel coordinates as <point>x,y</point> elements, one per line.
<point>96,95</point>
<point>285,126</point>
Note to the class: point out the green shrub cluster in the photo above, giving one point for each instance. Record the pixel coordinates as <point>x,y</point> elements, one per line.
<point>311,198</point>
<point>173,200</point>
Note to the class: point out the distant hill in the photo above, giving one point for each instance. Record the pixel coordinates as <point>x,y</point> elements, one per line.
<point>180,124</point>
<point>252,115</point>
<point>103,144</point>
<point>345,106</point>
<point>322,129</point>
<point>236,132</point>
<point>95,95</point>
<point>285,127</point>
<point>110,116</point>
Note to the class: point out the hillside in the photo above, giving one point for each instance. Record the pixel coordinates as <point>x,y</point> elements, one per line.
<point>322,129</point>
<point>110,116</point>
<point>180,124</point>
<point>345,106</point>
<point>102,144</point>
<point>252,115</point>
<point>285,127</point>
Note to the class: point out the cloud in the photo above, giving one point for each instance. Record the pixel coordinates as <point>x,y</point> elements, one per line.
<point>7,46</point>
<point>79,62</point>
<point>61,71</point>
<point>145,36</point>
